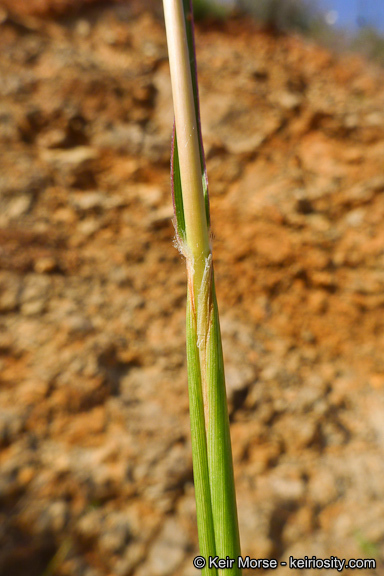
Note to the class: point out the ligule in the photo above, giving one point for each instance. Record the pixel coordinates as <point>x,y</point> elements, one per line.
<point>204,301</point>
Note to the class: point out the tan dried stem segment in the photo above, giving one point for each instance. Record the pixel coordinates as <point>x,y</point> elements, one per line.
<point>188,143</point>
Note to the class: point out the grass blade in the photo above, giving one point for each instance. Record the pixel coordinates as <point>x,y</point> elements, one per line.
<point>220,464</point>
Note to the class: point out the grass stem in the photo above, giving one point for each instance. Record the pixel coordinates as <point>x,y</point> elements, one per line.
<point>211,444</point>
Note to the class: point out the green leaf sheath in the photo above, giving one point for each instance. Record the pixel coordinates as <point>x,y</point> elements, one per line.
<point>199,445</point>
<point>211,443</point>
<point>220,464</point>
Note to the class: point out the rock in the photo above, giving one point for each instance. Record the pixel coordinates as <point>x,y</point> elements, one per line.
<point>161,217</point>
<point>238,379</point>
<point>35,287</point>
<point>87,201</point>
<point>72,159</point>
<point>299,432</point>
<point>223,169</point>
<point>167,553</point>
<point>254,520</point>
<point>90,526</point>
<point>287,488</point>
<point>116,533</point>
<point>156,147</point>
<point>240,138</point>
<point>319,155</point>
<point>134,554</point>
<point>11,425</point>
<point>323,487</point>
<point>189,569</point>
<point>45,265</point>
<point>101,481</point>
<point>55,138</point>
<point>78,325</point>
<point>53,518</point>
<point>237,128</point>
<point>89,226</point>
<point>87,571</point>
<point>83,28</point>
<point>9,130</point>
<point>34,294</point>
<point>123,138</point>
<point>355,218</point>
<point>26,475</point>
<point>33,308</point>
<point>163,113</point>
<point>7,343</point>
<point>287,100</point>
<point>10,289</point>
<point>73,166</point>
<point>18,207</point>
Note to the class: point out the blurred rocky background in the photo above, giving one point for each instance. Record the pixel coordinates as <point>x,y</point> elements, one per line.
<point>95,456</point>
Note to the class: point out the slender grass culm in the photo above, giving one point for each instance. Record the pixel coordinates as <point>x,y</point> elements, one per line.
<point>211,445</point>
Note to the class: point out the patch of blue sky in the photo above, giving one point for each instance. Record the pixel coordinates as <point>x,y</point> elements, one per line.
<point>353,14</point>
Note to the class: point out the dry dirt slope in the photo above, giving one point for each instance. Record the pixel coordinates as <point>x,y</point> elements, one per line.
<point>95,464</point>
